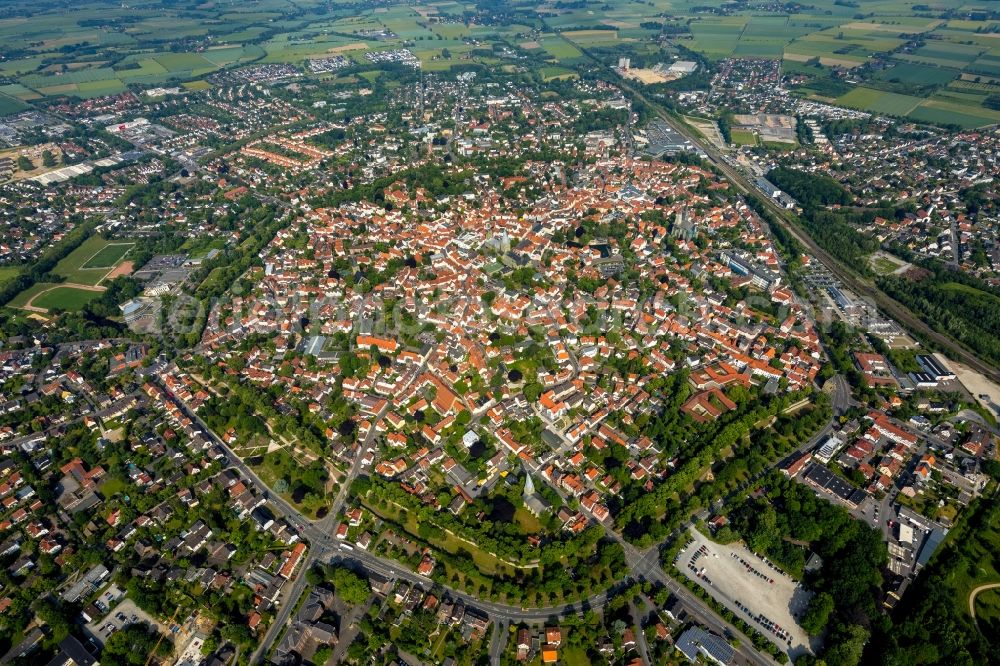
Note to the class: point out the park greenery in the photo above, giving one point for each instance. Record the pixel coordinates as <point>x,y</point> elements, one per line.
<point>786,522</point>
<point>827,219</point>
<point>349,586</point>
<point>953,302</point>
<point>561,567</point>
<point>133,644</point>
<point>648,517</point>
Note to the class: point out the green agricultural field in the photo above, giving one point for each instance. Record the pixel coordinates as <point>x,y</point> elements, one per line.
<point>878,101</point>
<point>957,106</point>
<point>100,88</point>
<point>560,49</point>
<point>17,91</point>
<point>717,38</point>
<point>987,64</point>
<point>34,39</point>
<point>590,37</point>
<point>11,105</point>
<point>907,72</point>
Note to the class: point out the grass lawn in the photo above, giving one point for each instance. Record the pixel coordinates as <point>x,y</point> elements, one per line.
<point>74,267</point>
<point>214,276</point>
<point>487,562</point>
<point>8,273</point>
<point>112,487</point>
<point>744,138</point>
<point>528,522</point>
<point>883,266</point>
<point>25,296</point>
<point>552,73</point>
<point>575,656</point>
<point>988,611</point>
<point>974,542</point>
<point>64,298</point>
<point>108,256</point>
<point>967,289</point>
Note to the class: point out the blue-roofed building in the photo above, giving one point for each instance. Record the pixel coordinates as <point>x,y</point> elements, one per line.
<point>697,641</point>
<point>931,544</point>
<point>135,309</point>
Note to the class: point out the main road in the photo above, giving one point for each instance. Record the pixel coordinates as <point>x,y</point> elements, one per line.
<point>317,531</point>
<point>644,565</point>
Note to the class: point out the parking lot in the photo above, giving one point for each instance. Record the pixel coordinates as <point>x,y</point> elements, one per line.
<point>108,598</point>
<point>122,615</point>
<point>756,591</point>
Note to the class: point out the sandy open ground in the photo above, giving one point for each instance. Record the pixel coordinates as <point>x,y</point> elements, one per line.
<point>647,76</point>
<point>977,384</point>
<point>730,582</point>
<point>356,46</point>
<point>124,268</point>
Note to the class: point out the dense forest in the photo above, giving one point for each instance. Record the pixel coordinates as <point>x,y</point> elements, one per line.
<point>809,189</point>
<point>834,229</point>
<point>954,303</point>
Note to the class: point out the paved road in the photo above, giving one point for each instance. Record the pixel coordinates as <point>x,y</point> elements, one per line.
<point>498,641</point>
<point>972,599</point>
<point>640,635</point>
<point>324,546</point>
<point>320,535</point>
<point>645,565</point>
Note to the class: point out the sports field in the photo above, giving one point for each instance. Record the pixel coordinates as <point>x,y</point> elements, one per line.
<point>44,296</point>
<point>744,138</point>
<point>92,261</point>
<point>108,256</point>
<point>64,298</point>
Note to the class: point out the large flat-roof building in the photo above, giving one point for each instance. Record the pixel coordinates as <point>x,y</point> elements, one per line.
<point>696,641</point>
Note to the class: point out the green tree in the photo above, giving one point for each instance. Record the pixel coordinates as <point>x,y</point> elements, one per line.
<point>352,588</point>
<point>817,614</point>
<point>133,644</point>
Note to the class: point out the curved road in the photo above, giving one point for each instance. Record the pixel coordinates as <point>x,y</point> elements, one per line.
<point>972,599</point>
<point>643,565</point>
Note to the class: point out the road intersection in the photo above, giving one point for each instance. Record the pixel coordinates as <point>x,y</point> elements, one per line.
<point>324,546</point>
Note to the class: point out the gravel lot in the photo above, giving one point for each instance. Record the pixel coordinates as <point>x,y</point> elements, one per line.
<point>733,582</point>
